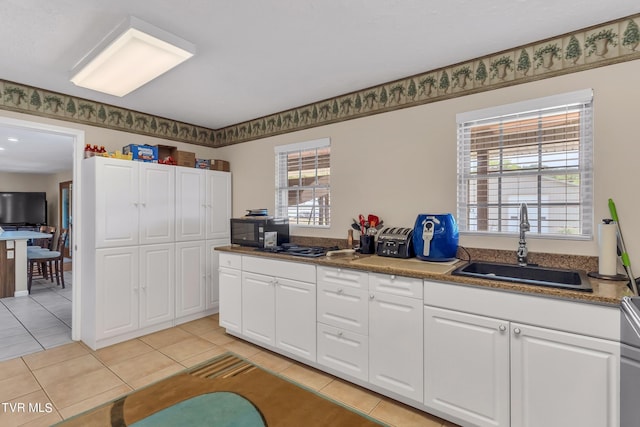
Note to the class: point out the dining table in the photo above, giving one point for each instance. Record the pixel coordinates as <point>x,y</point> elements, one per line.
<point>13,261</point>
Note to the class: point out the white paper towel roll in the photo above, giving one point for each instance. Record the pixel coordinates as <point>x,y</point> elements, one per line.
<point>607,250</point>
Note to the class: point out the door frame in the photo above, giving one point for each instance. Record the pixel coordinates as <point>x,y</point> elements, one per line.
<point>78,137</point>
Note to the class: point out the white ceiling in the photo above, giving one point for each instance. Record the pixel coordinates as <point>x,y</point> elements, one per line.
<point>259,57</point>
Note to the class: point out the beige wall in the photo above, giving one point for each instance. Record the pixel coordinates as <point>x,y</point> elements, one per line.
<point>402,163</point>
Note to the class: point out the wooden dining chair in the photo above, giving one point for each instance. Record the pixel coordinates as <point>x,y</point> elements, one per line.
<point>51,261</point>
<point>45,242</point>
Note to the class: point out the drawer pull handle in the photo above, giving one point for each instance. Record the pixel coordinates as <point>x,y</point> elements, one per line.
<point>340,291</point>
<point>517,331</point>
<point>502,328</point>
<point>393,277</point>
<point>340,334</point>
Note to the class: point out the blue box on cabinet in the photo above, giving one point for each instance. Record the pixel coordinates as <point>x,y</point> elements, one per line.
<point>142,153</point>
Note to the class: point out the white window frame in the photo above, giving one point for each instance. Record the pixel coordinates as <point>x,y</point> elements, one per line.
<point>281,180</point>
<point>582,100</point>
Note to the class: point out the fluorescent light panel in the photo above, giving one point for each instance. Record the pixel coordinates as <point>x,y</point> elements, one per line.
<point>131,56</point>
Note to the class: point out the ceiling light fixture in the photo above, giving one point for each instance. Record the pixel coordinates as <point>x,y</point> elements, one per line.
<point>133,54</point>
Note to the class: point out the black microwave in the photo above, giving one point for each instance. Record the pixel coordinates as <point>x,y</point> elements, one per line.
<point>251,231</point>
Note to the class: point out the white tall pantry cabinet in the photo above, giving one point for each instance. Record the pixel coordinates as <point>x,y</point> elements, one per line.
<point>146,269</point>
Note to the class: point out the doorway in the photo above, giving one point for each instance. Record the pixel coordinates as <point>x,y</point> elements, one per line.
<point>78,138</point>
<point>66,208</point>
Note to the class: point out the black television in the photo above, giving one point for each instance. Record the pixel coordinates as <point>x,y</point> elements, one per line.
<point>23,208</point>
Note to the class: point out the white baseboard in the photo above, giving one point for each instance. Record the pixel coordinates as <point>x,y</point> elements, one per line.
<point>21,294</point>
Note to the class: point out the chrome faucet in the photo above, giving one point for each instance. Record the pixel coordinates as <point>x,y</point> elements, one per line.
<point>524,227</point>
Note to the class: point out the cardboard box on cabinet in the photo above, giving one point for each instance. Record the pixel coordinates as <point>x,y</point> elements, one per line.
<point>220,165</point>
<point>171,155</point>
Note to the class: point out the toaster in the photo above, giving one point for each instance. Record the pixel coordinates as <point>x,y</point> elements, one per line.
<point>395,242</point>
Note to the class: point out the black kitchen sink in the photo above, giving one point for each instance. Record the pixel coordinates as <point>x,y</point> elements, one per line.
<point>530,275</point>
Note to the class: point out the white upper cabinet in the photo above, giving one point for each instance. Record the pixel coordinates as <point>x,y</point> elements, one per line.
<point>156,202</point>
<point>132,202</point>
<point>218,205</point>
<point>190,204</point>
<point>116,202</point>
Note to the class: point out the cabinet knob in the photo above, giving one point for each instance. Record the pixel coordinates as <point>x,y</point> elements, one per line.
<point>340,334</point>
<point>372,296</point>
<point>393,277</point>
<point>502,328</point>
<point>340,291</point>
<point>517,331</point>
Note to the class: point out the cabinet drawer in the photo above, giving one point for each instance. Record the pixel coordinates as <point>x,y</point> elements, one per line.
<point>344,307</point>
<point>343,351</point>
<point>285,269</point>
<point>230,260</point>
<point>396,285</point>
<point>343,277</point>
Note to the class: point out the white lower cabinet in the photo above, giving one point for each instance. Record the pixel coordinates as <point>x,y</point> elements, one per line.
<point>259,308</point>
<point>295,317</point>
<point>474,356</point>
<point>230,281</point>
<point>395,335</point>
<point>212,293</point>
<point>190,279</point>
<point>116,300</point>
<point>134,289</point>
<point>466,366</point>
<point>279,308</point>
<point>343,321</point>
<point>561,379</point>
<point>157,289</point>
<point>492,372</point>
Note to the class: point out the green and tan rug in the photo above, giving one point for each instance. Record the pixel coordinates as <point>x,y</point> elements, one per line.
<point>227,391</point>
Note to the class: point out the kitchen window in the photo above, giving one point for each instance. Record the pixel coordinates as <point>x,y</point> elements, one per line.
<point>538,152</point>
<point>302,182</point>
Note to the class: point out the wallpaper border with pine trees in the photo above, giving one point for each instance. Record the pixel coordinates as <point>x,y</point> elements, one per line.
<point>601,45</point>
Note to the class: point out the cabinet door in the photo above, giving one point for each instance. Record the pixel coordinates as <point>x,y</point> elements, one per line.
<point>116,194</point>
<point>466,366</point>
<point>190,204</point>
<point>395,344</point>
<point>157,289</point>
<point>218,205</point>
<point>190,278</point>
<point>213,265</point>
<point>296,318</point>
<point>116,291</point>
<point>563,379</point>
<point>258,307</point>
<point>157,203</point>
<point>231,299</point>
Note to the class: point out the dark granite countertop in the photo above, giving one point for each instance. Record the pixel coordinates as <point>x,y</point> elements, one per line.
<point>604,292</point>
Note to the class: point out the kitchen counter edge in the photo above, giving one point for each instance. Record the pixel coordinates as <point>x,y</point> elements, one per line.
<point>608,295</point>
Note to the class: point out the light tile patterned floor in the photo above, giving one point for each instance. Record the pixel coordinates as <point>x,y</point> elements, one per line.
<point>36,322</point>
<point>71,378</point>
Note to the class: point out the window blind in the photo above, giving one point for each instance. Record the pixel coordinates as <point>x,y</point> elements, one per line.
<point>303,173</point>
<point>539,153</point>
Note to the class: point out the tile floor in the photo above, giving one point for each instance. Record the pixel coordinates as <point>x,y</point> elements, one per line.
<point>39,321</point>
<point>71,378</point>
